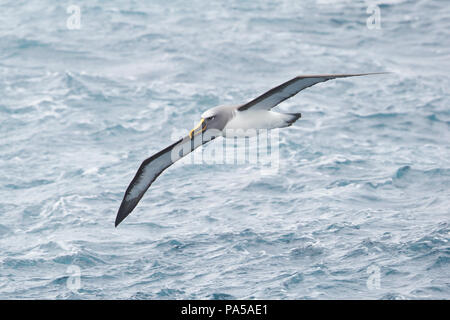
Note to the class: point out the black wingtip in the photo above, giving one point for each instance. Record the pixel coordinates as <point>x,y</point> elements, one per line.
<point>126,207</point>
<point>117,222</point>
<point>121,215</point>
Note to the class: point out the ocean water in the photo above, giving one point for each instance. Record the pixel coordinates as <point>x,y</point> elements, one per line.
<point>359,207</point>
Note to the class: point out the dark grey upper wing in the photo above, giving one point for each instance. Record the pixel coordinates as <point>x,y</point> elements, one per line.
<point>150,169</point>
<point>290,88</point>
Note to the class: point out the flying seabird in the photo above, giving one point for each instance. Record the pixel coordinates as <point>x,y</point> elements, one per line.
<point>217,121</point>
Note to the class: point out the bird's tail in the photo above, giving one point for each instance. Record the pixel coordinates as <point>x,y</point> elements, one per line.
<point>290,118</point>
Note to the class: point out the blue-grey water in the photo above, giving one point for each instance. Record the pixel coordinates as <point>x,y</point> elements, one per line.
<point>359,207</point>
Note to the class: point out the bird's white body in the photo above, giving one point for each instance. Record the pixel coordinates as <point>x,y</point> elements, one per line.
<point>244,123</point>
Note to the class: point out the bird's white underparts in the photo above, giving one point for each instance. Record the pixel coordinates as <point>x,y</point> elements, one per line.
<point>227,121</point>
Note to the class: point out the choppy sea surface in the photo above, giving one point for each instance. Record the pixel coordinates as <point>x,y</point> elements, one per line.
<point>359,207</point>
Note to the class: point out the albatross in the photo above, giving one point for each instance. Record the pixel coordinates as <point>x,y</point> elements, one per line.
<point>218,121</point>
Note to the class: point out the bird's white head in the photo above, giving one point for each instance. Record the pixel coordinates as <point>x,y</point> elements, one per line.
<point>214,118</point>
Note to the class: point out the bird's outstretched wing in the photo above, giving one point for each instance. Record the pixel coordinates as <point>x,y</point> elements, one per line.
<point>290,88</point>
<point>150,169</point>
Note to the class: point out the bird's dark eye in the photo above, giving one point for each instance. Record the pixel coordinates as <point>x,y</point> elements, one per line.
<point>211,118</point>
